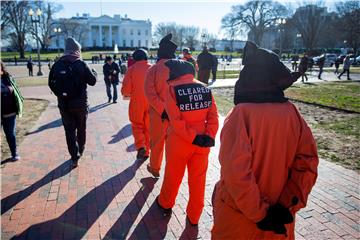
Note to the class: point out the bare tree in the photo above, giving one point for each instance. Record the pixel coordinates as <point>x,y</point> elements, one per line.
<point>311,22</point>
<point>162,29</point>
<point>255,16</point>
<point>191,36</point>
<point>349,20</point>
<point>15,18</point>
<point>73,28</point>
<point>45,26</point>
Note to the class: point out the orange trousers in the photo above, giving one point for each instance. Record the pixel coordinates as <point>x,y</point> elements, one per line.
<point>179,155</point>
<point>158,129</point>
<point>140,124</point>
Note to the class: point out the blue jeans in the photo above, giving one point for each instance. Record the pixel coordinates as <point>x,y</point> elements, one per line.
<point>108,91</point>
<point>9,126</point>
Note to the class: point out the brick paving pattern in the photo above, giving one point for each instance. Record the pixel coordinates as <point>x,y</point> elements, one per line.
<point>111,196</point>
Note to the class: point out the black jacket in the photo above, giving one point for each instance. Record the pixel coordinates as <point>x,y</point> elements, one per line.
<point>87,76</point>
<point>108,70</point>
<point>205,61</point>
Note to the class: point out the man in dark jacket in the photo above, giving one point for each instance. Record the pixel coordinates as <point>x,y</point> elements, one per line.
<point>321,63</point>
<point>214,69</point>
<point>111,72</point>
<point>74,110</point>
<point>205,62</point>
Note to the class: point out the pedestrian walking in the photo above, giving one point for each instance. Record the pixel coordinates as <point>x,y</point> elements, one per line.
<point>214,68</point>
<point>346,67</point>
<point>133,87</point>
<point>111,77</point>
<point>206,62</point>
<point>303,66</point>
<point>268,156</point>
<point>30,66</point>
<point>11,106</point>
<point>337,65</point>
<point>193,126</point>
<point>294,62</point>
<point>156,89</point>
<point>15,61</point>
<point>68,80</point>
<point>321,63</point>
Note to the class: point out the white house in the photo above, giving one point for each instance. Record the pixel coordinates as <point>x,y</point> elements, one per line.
<point>225,44</point>
<point>106,31</point>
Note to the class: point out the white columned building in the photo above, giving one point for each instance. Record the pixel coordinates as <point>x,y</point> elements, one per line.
<point>106,31</point>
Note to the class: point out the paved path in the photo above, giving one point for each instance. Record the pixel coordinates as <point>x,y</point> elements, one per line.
<point>111,196</point>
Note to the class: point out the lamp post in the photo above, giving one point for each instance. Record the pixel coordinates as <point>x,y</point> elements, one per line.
<point>58,32</point>
<point>298,36</point>
<point>281,22</point>
<point>35,21</point>
<point>203,36</point>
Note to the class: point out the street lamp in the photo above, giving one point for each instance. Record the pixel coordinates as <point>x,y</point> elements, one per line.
<point>35,21</point>
<point>281,22</point>
<point>58,32</point>
<point>298,36</point>
<point>203,36</point>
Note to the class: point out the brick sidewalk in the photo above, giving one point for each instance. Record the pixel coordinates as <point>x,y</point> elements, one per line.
<point>111,196</point>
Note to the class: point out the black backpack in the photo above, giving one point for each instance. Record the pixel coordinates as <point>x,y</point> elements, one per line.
<point>64,82</point>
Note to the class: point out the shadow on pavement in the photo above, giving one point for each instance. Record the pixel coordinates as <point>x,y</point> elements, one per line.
<point>122,226</point>
<point>189,233</point>
<point>75,221</point>
<point>131,148</point>
<point>12,200</point>
<point>122,134</point>
<point>98,107</point>
<point>53,124</point>
<point>10,159</point>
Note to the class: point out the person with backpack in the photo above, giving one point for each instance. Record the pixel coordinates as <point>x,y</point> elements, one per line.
<point>68,80</point>
<point>133,87</point>
<point>111,72</point>
<point>11,106</point>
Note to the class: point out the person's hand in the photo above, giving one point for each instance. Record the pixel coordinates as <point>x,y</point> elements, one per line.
<point>199,140</point>
<point>209,141</point>
<point>276,218</point>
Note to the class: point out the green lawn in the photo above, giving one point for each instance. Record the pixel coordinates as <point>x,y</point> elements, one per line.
<point>348,127</point>
<point>32,81</point>
<point>343,95</point>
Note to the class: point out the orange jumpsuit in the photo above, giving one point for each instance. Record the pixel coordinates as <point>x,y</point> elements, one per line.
<point>267,155</point>
<point>155,91</point>
<point>192,111</point>
<point>133,86</point>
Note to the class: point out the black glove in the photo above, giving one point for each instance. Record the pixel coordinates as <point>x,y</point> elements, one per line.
<point>209,141</point>
<point>199,140</point>
<point>164,116</point>
<point>276,218</point>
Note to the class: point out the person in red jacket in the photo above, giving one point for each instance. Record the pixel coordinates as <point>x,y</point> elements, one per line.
<point>133,87</point>
<point>268,155</point>
<point>193,125</point>
<point>188,57</point>
<point>155,92</point>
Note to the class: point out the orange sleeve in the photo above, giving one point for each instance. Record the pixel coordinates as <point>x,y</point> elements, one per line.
<point>303,172</point>
<point>236,160</point>
<point>126,88</point>
<point>212,123</point>
<point>180,126</point>
<point>150,90</point>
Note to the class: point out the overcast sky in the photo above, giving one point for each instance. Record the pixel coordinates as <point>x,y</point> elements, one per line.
<point>202,13</point>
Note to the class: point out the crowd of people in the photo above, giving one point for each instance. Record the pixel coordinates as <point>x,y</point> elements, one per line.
<point>268,155</point>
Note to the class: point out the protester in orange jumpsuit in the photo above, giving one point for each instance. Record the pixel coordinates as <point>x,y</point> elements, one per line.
<point>193,126</point>
<point>133,87</point>
<point>155,91</point>
<point>268,155</point>
<point>188,57</point>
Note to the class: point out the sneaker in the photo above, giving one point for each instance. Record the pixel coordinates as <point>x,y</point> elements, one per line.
<point>166,211</point>
<point>15,158</point>
<point>141,154</point>
<point>75,162</point>
<point>114,101</point>
<point>153,172</point>
<point>189,222</point>
<point>81,151</point>
<point>109,100</point>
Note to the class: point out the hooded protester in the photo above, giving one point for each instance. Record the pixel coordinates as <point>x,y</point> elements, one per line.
<point>155,92</point>
<point>133,87</point>
<point>268,155</point>
<point>193,125</point>
<point>68,79</point>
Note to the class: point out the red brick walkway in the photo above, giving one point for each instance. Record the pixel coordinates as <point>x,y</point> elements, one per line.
<point>111,196</point>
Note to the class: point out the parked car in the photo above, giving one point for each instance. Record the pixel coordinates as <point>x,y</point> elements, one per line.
<point>355,61</point>
<point>330,59</point>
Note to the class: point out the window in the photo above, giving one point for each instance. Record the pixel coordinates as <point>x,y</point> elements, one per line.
<point>132,43</point>
<point>131,32</point>
<point>124,43</point>
<point>146,32</point>
<point>139,43</point>
<point>139,32</point>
